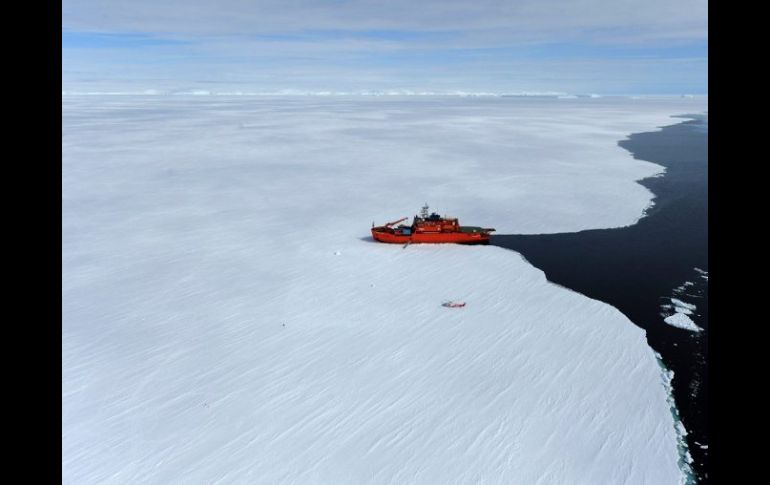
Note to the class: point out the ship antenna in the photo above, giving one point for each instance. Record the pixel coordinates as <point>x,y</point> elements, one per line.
<point>424,211</point>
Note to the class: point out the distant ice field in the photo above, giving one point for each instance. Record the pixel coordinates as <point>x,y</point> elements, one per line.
<point>227,318</point>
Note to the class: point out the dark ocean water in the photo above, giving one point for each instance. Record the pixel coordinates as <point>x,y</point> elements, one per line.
<point>640,268</point>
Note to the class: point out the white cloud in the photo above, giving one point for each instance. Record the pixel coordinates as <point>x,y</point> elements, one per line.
<point>359,45</point>
<point>501,20</point>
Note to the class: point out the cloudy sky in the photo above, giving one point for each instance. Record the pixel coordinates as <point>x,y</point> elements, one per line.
<point>572,46</point>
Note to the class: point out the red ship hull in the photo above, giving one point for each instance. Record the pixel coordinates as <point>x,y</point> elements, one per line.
<point>431,228</point>
<point>381,234</point>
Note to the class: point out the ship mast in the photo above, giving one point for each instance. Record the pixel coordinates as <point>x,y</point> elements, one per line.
<point>424,212</point>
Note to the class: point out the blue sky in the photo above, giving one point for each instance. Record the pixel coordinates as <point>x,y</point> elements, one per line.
<point>575,46</point>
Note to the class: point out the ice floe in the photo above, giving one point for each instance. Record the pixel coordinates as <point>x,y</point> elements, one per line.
<point>704,274</point>
<point>681,320</point>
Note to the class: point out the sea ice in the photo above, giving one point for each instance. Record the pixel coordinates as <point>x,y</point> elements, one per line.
<point>682,307</point>
<point>681,288</point>
<point>227,318</point>
<point>681,320</point>
<point>703,274</point>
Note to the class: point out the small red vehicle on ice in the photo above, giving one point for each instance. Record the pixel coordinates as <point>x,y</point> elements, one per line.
<point>453,304</point>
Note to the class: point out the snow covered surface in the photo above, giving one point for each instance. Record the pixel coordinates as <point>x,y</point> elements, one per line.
<point>681,320</point>
<point>227,318</point>
<point>685,458</point>
<point>682,307</point>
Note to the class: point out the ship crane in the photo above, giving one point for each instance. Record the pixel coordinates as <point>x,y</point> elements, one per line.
<point>396,222</point>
